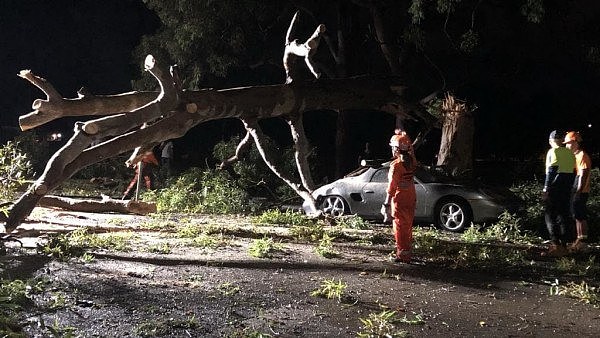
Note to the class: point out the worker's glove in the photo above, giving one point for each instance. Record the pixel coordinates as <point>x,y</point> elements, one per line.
<point>385,211</point>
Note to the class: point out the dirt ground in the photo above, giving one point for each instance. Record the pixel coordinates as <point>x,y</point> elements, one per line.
<point>225,292</point>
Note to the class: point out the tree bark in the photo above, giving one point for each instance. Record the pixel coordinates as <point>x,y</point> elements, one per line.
<point>456,148</point>
<point>105,205</point>
<point>172,113</point>
<point>342,128</point>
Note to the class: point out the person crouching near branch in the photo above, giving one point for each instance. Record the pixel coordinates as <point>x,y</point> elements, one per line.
<point>560,168</point>
<point>401,194</point>
<point>149,164</point>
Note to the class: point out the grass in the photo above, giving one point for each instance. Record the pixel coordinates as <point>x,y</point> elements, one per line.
<point>14,295</point>
<point>264,248</point>
<point>416,320</point>
<point>330,289</point>
<point>74,244</point>
<point>380,324</point>
<point>209,241</point>
<point>325,247</point>
<point>164,327</point>
<point>352,222</point>
<point>228,289</point>
<point>571,265</point>
<point>277,217</point>
<point>59,331</point>
<point>312,233</point>
<point>159,248</point>
<point>582,292</point>
<point>507,229</point>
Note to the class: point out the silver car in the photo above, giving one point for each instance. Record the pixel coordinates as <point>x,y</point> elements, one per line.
<point>446,203</point>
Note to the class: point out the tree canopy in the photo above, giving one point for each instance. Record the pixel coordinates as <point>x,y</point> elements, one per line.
<point>529,65</point>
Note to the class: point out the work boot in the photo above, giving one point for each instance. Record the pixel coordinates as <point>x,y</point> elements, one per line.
<point>578,246</point>
<point>403,256</point>
<point>555,250</point>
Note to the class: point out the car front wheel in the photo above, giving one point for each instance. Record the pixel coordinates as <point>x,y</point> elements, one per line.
<point>453,215</point>
<point>334,206</point>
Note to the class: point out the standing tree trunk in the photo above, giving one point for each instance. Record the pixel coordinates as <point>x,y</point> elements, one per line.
<point>456,149</point>
<point>341,144</point>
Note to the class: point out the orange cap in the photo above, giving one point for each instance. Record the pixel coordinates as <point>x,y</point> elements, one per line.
<point>572,136</point>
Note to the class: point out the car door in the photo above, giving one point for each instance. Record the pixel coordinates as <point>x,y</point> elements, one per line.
<point>422,208</point>
<point>373,194</point>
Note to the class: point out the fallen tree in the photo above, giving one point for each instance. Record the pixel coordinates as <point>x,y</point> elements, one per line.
<point>171,112</point>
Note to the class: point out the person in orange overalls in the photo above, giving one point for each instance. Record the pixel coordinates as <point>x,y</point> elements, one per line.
<point>149,164</point>
<point>401,193</point>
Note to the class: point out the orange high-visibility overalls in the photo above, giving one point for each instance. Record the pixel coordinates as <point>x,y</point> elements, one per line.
<point>401,188</point>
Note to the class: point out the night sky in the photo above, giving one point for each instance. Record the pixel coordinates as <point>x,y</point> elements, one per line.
<point>71,44</point>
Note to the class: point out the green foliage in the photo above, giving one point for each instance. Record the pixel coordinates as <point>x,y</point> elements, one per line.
<point>17,293</point>
<point>164,327</point>
<point>264,248</point>
<point>530,193</point>
<point>446,6</point>
<point>160,248</point>
<point>60,331</point>
<point>288,217</point>
<point>469,41</point>
<point>352,222</point>
<point>416,11</point>
<point>254,175</point>
<point>209,241</point>
<point>380,324</point>
<point>594,205</point>
<point>588,268</point>
<point>15,169</point>
<point>330,289</point>
<point>14,294</point>
<point>36,148</point>
<point>481,256</point>
<point>533,10</point>
<point>60,247</point>
<point>417,320</point>
<point>78,187</point>
<point>325,247</point>
<point>309,232</point>
<point>10,327</point>
<point>113,167</point>
<point>507,230</point>
<point>199,191</point>
<point>74,244</point>
<point>222,196</point>
<point>228,289</point>
<point>428,241</point>
<point>209,39</point>
<point>583,292</point>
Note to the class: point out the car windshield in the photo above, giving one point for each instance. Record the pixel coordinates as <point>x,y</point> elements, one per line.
<point>428,174</point>
<point>425,174</point>
<point>357,171</point>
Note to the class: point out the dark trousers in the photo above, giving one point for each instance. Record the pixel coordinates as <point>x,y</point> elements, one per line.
<point>557,213</point>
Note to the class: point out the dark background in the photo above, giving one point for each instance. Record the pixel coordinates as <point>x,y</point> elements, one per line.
<point>532,79</point>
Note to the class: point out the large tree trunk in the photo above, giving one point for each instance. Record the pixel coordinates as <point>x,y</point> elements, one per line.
<point>456,149</point>
<point>171,112</point>
<point>342,137</point>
